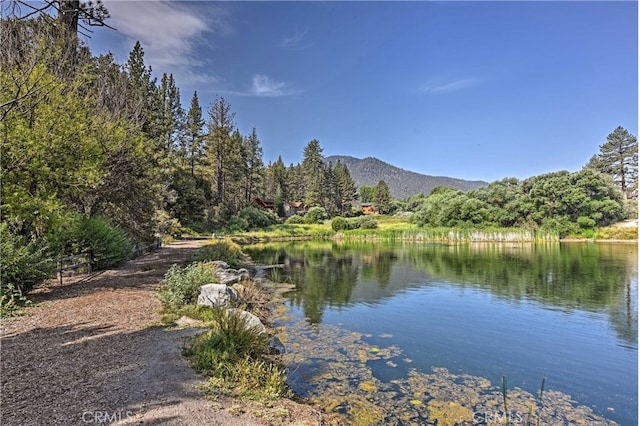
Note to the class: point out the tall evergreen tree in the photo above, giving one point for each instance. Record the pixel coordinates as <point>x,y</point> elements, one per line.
<point>313,173</point>
<point>295,182</point>
<point>192,142</point>
<point>382,197</point>
<point>618,157</point>
<point>253,165</point>
<point>234,172</point>
<point>329,197</point>
<point>142,89</point>
<point>220,126</point>
<point>277,181</point>
<point>346,188</point>
<point>171,119</point>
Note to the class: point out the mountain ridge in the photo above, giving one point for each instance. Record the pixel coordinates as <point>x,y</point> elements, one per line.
<point>402,183</point>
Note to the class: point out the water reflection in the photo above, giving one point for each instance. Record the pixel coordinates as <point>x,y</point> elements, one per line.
<point>598,278</point>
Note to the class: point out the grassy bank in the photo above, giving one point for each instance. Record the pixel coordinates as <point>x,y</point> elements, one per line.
<point>448,235</point>
<point>392,228</point>
<point>233,356</point>
<point>285,231</point>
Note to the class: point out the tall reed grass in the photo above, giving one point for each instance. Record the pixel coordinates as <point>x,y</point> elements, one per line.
<point>450,235</point>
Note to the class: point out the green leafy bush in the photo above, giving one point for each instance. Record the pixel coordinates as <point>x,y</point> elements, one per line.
<point>12,300</point>
<point>295,220</point>
<point>258,218</point>
<point>22,264</point>
<point>315,215</point>
<point>367,222</point>
<point>238,224</point>
<point>586,222</point>
<point>108,245</point>
<point>338,224</point>
<point>181,285</point>
<point>225,250</point>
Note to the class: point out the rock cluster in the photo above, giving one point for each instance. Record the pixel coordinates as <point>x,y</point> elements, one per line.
<point>223,295</point>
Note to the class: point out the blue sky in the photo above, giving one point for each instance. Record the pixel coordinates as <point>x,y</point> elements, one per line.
<point>473,90</point>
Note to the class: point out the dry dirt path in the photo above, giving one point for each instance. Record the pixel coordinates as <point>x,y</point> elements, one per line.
<point>92,353</point>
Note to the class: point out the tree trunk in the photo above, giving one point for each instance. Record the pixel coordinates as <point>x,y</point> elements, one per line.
<point>68,14</point>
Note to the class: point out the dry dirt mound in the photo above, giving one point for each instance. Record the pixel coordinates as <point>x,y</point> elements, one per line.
<point>89,354</point>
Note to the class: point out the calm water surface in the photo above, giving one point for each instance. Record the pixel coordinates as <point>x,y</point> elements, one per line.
<point>567,312</point>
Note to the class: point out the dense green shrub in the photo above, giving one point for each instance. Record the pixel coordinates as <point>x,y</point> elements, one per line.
<point>237,224</point>
<point>295,220</point>
<point>561,225</point>
<point>586,222</point>
<point>559,202</point>
<point>107,244</point>
<point>225,250</point>
<point>338,224</point>
<point>22,264</point>
<point>367,222</point>
<point>316,215</point>
<point>181,285</point>
<point>258,218</point>
<point>12,300</point>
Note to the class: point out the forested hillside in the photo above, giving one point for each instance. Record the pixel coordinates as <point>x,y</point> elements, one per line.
<point>402,183</point>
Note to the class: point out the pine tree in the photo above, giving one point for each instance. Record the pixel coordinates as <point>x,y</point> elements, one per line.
<point>619,158</point>
<point>220,126</point>
<point>253,165</point>
<point>192,142</point>
<point>142,90</point>
<point>382,197</point>
<point>313,173</point>
<point>234,172</point>
<point>171,120</point>
<point>277,186</point>
<point>346,188</point>
<point>295,182</point>
<point>329,197</point>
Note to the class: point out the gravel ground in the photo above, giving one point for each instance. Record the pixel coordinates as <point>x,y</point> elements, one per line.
<point>92,353</point>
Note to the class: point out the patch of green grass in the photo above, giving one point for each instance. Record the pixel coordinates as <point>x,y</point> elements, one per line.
<point>236,358</point>
<point>288,230</point>
<point>169,315</point>
<point>616,233</point>
<point>225,250</point>
<point>181,285</point>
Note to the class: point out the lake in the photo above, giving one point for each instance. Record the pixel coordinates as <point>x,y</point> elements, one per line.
<point>400,333</point>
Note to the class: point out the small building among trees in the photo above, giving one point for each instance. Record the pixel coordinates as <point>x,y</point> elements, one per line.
<point>368,208</point>
<point>266,204</point>
<point>293,207</point>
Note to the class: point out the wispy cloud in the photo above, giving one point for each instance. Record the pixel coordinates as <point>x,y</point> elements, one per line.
<point>265,87</point>
<point>296,41</point>
<point>169,33</point>
<point>450,86</point>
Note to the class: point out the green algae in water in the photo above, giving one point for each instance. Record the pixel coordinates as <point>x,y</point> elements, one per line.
<point>331,367</point>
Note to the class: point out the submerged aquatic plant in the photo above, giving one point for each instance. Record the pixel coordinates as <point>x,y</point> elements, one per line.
<point>504,399</point>
<point>339,379</point>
